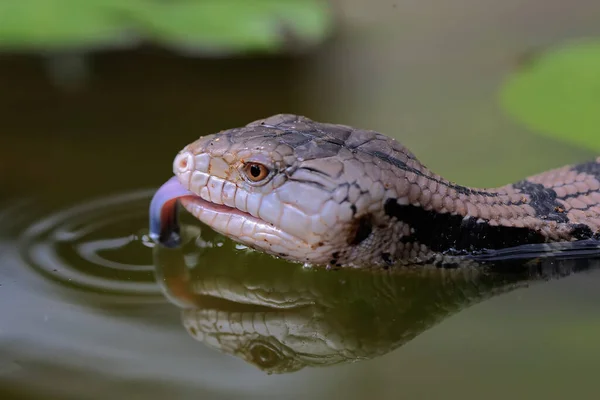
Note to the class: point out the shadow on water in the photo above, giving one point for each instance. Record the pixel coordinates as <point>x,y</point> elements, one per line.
<point>99,301</point>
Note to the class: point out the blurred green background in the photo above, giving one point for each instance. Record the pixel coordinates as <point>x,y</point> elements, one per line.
<point>96,98</point>
<point>198,26</point>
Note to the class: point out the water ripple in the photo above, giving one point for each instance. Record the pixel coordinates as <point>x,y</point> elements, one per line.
<point>97,246</point>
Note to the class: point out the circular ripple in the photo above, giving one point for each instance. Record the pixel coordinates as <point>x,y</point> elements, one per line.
<point>99,246</point>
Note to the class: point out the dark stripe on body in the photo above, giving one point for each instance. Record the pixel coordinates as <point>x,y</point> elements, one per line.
<point>543,201</point>
<point>590,168</point>
<point>546,205</point>
<point>361,231</point>
<point>582,231</point>
<point>455,234</point>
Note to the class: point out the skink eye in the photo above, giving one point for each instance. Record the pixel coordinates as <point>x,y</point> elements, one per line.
<point>264,356</point>
<point>255,172</point>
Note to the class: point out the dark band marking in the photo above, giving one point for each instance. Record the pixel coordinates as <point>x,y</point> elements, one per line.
<point>447,233</point>
<point>362,230</point>
<point>582,231</point>
<point>590,168</point>
<point>543,201</point>
<point>387,258</point>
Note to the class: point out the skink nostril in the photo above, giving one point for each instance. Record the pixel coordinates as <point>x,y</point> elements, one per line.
<point>183,162</point>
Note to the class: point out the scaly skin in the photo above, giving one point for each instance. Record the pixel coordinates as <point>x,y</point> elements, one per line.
<point>341,196</point>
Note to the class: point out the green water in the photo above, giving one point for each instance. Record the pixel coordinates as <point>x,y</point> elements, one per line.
<point>90,310</point>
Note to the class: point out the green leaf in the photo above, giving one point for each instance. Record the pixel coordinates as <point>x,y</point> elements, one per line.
<point>558,94</point>
<point>235,24</point>
<point>48,24</point>
<point>199,25</point>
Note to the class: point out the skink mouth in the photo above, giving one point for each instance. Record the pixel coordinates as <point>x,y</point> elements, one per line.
<point>164,225</point>
<point>229,221</point>
<point>194,203</point>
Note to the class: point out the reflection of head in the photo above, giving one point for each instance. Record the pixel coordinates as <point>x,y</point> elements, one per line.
<point>265,352</point>
<point>276,341</point>
<point>281,317</point>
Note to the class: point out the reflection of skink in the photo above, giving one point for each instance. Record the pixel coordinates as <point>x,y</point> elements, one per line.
<point>331,194</point>
<point>281,317</point>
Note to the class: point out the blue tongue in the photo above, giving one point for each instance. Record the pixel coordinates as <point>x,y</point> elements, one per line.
<point>164,227</point>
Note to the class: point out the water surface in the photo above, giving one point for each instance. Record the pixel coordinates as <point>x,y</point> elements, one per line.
<point>94,309</point>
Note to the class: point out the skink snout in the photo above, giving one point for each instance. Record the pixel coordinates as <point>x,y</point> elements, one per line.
<point>183,165</point>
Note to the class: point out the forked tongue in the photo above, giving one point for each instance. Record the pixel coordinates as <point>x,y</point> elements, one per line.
<point>164,225</point>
